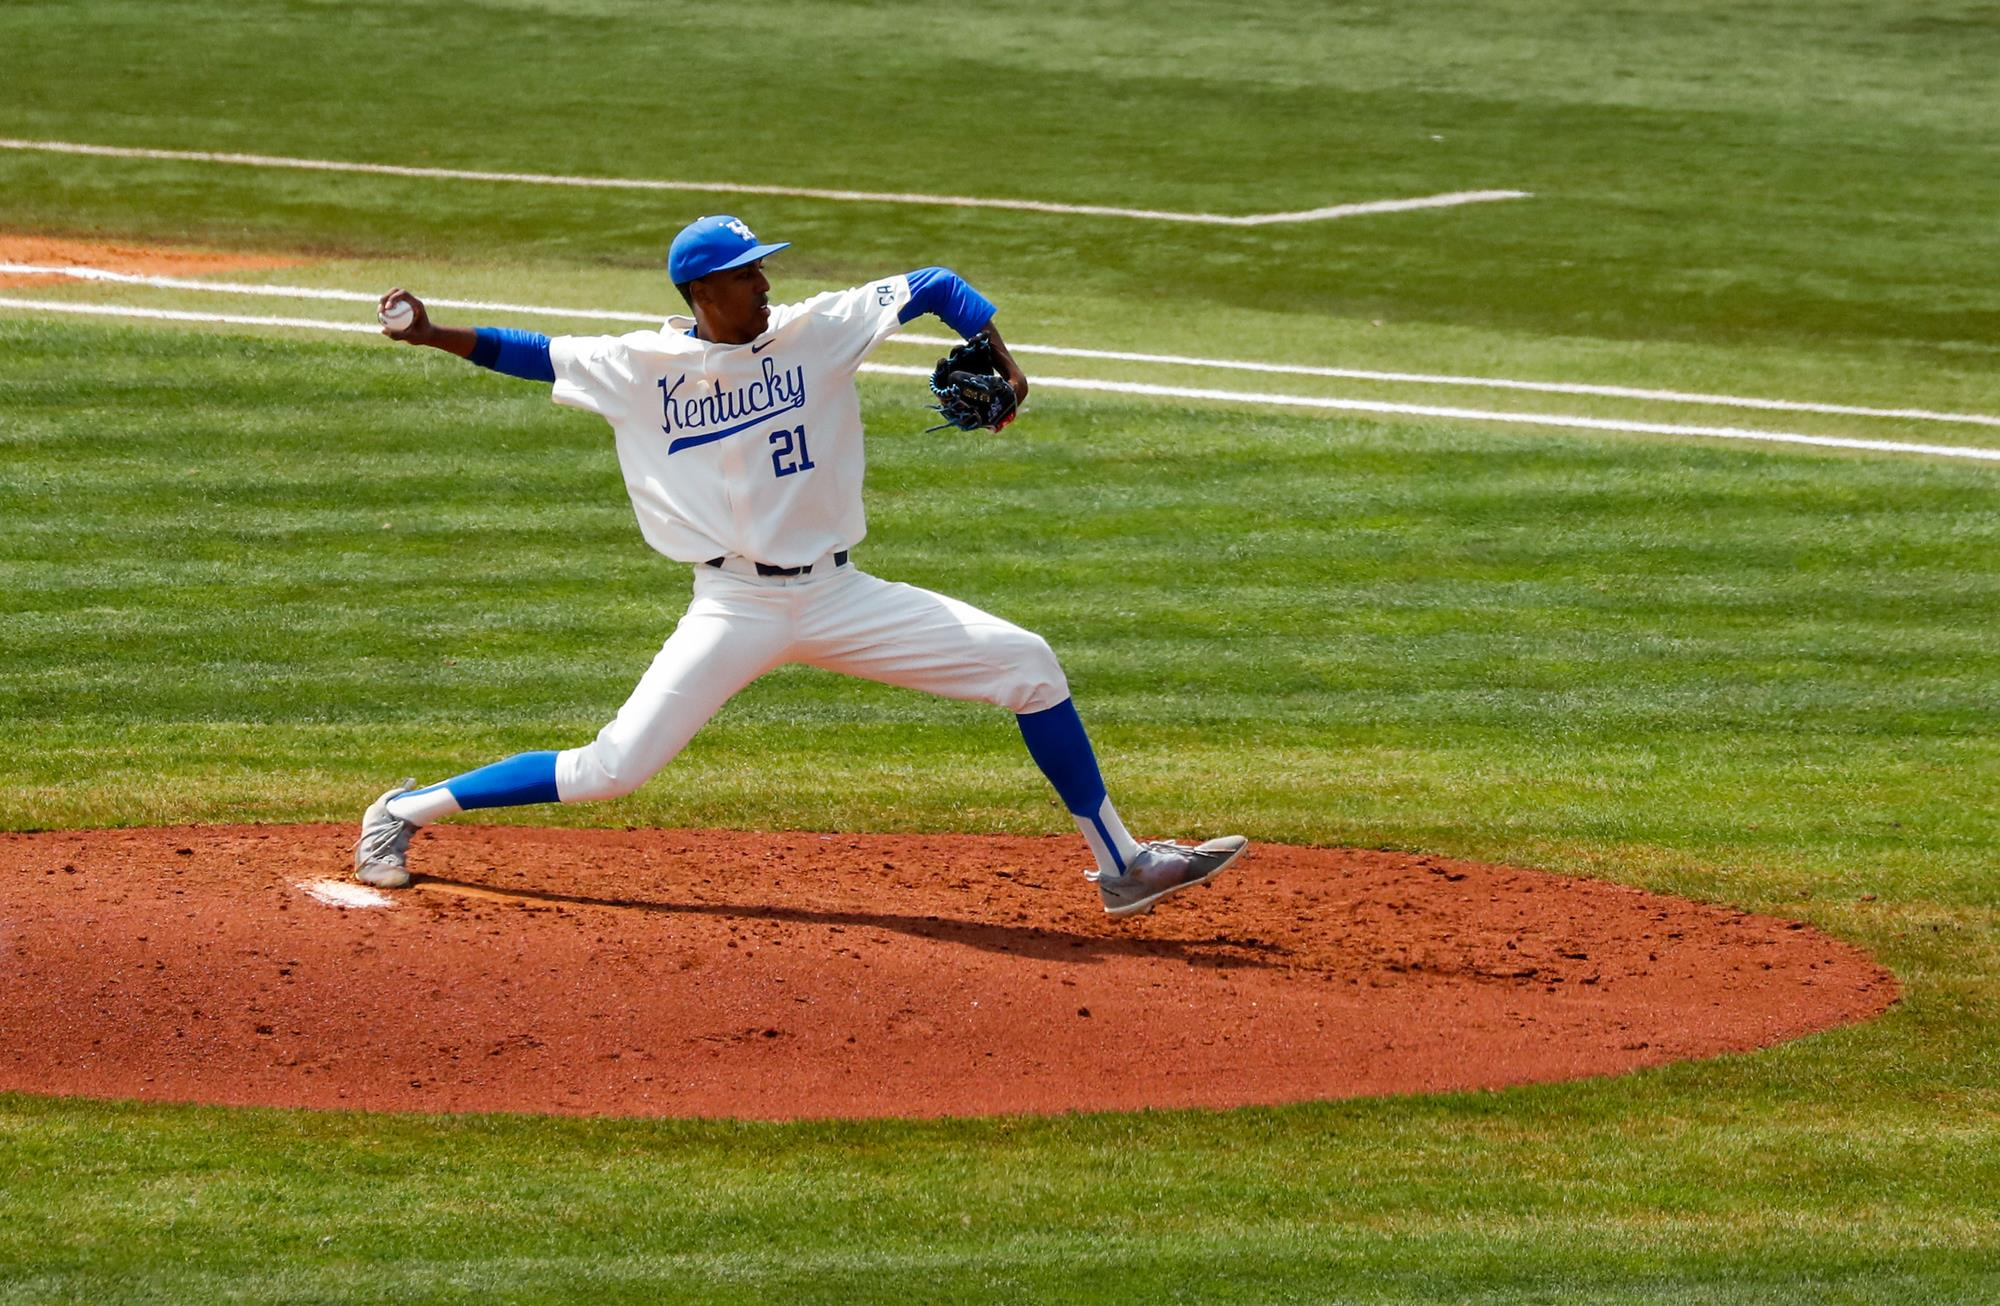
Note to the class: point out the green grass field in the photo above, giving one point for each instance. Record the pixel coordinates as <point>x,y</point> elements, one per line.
<point>256,573</point>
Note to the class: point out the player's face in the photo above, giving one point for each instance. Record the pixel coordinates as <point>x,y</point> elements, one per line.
<point>737,302</point>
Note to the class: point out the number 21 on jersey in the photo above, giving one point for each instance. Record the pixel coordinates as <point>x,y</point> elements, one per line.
<point>788,451</point>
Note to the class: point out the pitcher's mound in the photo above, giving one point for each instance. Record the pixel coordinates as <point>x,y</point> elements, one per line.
<point>691,973</point>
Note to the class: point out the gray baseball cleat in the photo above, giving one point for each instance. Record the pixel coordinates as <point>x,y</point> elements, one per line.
<point>1164,868</point>
<point>379,854</point>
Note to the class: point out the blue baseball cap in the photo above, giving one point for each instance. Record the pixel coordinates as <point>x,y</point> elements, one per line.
<point>714,244</point>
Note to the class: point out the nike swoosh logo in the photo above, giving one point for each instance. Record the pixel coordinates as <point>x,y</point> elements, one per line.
<point>758,349</point>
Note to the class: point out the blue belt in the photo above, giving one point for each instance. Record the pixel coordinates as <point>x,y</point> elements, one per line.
<point>766,569</point>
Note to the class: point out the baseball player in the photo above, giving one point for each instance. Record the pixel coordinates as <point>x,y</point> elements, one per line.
<point>738,431</point>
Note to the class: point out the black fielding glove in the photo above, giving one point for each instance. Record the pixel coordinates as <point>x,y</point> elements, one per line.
<point>971,393</point>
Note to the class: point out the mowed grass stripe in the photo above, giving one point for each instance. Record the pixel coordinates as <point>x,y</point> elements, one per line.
<point>965,1209</point>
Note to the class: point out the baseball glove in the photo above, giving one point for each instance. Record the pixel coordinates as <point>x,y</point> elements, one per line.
<point>971,393</point>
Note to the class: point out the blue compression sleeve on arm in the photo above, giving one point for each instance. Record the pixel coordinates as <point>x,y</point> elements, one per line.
<point>516,353</point>
<point>942,292</point>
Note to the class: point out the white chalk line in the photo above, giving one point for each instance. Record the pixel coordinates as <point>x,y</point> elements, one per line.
<point>179,315</point>
<point>1481,415</point>
<point>1493,383</point>
<point>270,291</point>
<point>1055,351</point>
<point>1448,200</point>
<point>1166,391</point>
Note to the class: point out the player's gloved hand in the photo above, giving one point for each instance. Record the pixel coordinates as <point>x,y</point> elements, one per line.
<point>971,393</point>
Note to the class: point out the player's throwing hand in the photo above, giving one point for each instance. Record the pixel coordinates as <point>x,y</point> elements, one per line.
<point>403,316</point>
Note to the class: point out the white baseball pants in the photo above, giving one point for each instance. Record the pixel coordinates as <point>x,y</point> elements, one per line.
<point>741,625</point>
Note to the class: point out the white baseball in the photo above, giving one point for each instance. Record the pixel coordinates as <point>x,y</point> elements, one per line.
<point>398,315</point>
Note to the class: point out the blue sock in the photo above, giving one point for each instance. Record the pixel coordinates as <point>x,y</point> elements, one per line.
<point>523,778</point>
<point>1056,740</point>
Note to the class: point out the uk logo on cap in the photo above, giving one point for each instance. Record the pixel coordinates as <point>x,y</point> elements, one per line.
<point>715,244</point>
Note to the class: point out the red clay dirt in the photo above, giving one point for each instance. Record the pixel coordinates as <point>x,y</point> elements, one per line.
<point>145,260</point>
<point>706,973</point>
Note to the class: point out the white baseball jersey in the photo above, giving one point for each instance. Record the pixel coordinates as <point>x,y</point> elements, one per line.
<point>751,449</point>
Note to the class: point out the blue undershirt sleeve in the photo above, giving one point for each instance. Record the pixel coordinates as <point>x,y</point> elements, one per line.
<point>945,294</point>
<point>516,353</point>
